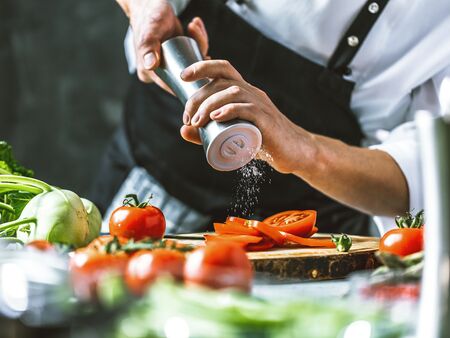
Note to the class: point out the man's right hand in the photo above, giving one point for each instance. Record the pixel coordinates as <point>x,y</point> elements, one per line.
<point>152,21</point>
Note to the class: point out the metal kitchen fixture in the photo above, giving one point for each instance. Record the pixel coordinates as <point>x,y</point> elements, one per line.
<point>434,311</point>
<point>228,145</point>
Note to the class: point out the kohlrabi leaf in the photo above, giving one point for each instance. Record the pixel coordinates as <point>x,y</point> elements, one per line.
<point>9,163</point>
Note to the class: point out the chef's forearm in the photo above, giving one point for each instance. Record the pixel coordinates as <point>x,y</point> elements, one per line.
<point>365,179</point>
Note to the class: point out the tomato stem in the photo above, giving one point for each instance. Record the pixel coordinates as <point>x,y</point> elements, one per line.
<point>131,200</point>
<point>343,242</point>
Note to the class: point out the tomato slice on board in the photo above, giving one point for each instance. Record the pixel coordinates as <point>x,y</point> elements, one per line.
<point>239,239</point>
<point>265,244</point>
<point>269,231</point>
<point>234,219</point>
<point>296,222</point>
<point>235,228</point>
<point>313,231</point>
<point>312,242</point>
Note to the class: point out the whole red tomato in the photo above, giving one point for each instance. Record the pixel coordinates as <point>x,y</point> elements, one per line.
<point>219,265</point>
<point>137,220</point>
<point>146,266</point>
<point>402,242</point>
<point>89,266</point>
<point>40,245</point>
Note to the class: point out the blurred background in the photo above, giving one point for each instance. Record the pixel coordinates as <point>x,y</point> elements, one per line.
<point>63,78</point>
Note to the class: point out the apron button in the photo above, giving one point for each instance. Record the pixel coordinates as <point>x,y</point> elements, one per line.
<point>373,8</point>
<point>353,41</point>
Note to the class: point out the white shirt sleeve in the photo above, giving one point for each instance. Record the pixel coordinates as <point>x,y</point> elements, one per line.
<point>179,5</point>
<point>402,143</point>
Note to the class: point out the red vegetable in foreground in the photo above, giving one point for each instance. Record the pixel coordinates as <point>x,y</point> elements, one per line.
<point>219,265</point>
<point>137,220</point>
<point>88,267</point>
<point>146,266</point>
<point>407,239</point>
<point>40,245</point>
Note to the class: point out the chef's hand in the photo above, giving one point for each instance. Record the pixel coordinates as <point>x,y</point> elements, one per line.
<point>228,96</point>
<point>365,179</point>
<point>153,22</point>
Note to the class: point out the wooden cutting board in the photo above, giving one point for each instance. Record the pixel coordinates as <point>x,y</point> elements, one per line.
<point>310,263</point>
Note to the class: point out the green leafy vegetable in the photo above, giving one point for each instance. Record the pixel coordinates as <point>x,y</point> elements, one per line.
<point>343,242</point>
<point>53,214</point>
<point>8,164</point>
<point>31,209</point>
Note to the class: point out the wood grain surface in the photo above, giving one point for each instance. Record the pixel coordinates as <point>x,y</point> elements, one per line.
<point>303,263</point>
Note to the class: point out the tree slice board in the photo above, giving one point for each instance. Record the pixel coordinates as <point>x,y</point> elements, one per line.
<point>301,263</point>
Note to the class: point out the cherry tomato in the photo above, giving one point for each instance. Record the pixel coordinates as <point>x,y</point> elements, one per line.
<point>146,266</point>
<point>219,265</point>
<point>296,222</point>
<point>403,241</point>
<point>138,222</point>
<point>40,245</point>
<point>88,267</point>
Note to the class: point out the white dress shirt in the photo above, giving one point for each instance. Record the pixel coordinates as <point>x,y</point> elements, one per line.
<point>403,65</point>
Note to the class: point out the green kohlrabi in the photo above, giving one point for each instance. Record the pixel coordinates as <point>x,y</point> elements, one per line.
<point>94,219</point>
<point>52,214</point>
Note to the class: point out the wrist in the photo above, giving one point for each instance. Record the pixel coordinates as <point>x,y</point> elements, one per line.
<point>310,157</point>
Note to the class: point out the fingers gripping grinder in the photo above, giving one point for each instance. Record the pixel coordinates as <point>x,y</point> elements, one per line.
<point>228,145</point>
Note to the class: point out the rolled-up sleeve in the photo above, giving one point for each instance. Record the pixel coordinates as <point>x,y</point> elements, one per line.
<point>403,145</point>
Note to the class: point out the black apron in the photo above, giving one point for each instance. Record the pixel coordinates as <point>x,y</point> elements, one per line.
<point>314,97</point>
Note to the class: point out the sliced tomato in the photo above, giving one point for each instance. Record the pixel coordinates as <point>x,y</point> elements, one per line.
<point>235,228</point>
<point>265,244</point>
<point>242,240</point>
<point>234,219</point>
<point>313,231</point>
<point>296,222</point>
<point>311,242</point>
<point>269,231</point>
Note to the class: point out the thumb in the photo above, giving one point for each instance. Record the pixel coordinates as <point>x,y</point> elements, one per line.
<point>196,29</point>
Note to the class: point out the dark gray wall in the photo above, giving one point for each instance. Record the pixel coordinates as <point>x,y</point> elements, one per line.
<point>63,78</point>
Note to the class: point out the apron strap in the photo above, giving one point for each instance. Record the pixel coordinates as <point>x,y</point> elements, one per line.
<point>354,37</point>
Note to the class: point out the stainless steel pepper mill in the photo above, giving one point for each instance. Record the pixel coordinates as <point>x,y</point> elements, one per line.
<point>228,145</point>
<point>434,313</point>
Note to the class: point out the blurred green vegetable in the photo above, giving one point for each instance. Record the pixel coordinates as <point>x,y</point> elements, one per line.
<point>197,312</point>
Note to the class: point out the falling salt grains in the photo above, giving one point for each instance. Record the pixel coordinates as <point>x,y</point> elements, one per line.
<point>251,177</point>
